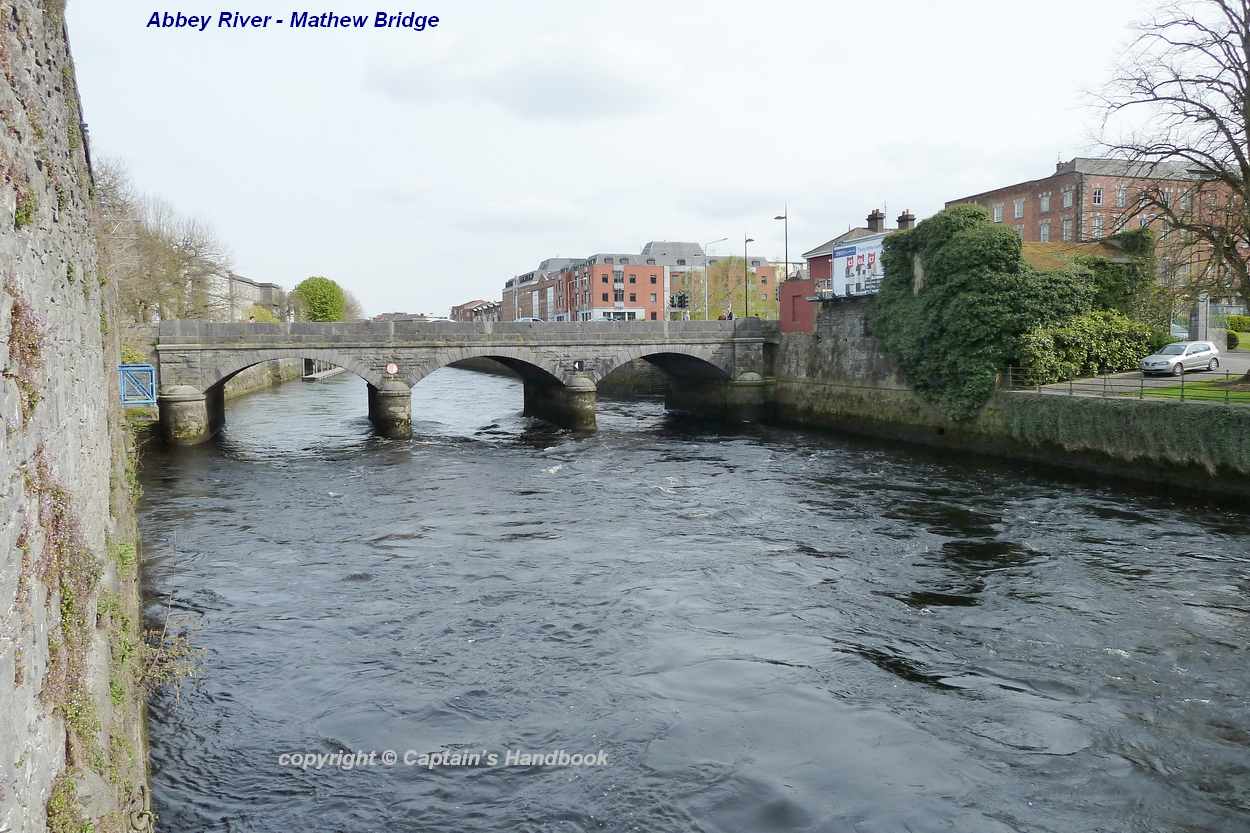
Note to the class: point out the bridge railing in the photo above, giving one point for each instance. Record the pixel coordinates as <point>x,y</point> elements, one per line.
<point>214,332</point>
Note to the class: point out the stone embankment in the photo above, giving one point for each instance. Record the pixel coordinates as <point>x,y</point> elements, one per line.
<point>838,378</point>
<point>72,745</point>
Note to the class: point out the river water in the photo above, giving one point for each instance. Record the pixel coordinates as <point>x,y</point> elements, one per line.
<point>762,630</point>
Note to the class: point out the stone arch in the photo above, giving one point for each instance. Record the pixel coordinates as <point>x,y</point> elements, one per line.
<point>682,361</point>
<point>225,365</point>
<point>527,363</point>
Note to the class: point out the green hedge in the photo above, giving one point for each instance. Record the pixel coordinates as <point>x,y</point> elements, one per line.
<point>1102,341</point>
<point>1240,323</point>
<point>1233,340</point>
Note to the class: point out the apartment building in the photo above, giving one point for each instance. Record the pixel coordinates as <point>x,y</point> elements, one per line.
<point>1088,199</point>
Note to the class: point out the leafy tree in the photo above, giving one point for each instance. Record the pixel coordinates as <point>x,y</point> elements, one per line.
<point>319,299</point>
<point>955,301</point>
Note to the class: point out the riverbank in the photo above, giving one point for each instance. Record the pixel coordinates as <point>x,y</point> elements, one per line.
<point>837,378</point>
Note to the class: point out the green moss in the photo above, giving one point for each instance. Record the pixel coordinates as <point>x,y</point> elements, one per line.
<point>131,355</point>
<point>27,206</point>
<point>63,810</point>
<point>124,556</point>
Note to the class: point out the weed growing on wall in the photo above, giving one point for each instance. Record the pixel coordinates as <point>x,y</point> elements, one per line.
<point>27,206</point>
<point>955,301</point>
<point>26,334</point>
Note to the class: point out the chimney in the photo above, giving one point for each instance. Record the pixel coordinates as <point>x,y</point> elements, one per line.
<point>906,220</point>
<point>876,220</point>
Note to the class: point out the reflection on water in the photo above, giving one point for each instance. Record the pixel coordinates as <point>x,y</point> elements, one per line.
<point>765,630</point>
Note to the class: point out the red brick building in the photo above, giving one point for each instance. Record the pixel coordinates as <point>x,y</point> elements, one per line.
<point>465,311</point>
<point>1086,199</point>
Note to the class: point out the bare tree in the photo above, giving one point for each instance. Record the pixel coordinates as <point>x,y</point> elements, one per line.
<point>1179,108</point>
<point>354,311</point>
<point>165,265</point>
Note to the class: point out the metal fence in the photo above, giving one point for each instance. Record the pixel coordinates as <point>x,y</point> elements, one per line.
<point>1194,386</point>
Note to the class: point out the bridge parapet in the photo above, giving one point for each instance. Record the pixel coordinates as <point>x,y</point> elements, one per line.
<point>559,362</point>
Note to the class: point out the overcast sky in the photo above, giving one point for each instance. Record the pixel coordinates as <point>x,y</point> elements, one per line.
<point>423,169</point>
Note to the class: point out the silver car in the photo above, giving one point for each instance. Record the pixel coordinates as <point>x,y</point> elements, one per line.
<point>1176,358</point>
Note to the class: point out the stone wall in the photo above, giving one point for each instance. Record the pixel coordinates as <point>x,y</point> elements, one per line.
<point>71,739</point>
<point>837,377</point>
<point>264,375</point>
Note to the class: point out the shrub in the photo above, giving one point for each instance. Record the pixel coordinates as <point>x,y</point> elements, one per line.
<point>262,315</point>
<point>1233,340</point>
<point>1240,323</point>
<point>956,300</point>
<point>1161,338</point>
<point>1103,341</point>
<point>132,355</point>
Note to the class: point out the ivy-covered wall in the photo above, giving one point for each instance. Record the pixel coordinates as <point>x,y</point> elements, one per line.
<point>71,733</point>
<point>840,378</point>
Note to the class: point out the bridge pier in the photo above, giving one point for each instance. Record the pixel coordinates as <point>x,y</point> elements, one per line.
<point>390,409</point>
<point>189,416</point>
<point>745,398</point>
<point>570,405</point>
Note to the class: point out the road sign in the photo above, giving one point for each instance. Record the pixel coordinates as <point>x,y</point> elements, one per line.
<point>138,384</point>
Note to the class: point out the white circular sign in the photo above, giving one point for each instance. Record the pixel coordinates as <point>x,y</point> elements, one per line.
<point>392,368</point>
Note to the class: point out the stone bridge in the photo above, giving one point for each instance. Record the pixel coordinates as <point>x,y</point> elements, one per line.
<point>719,366</point>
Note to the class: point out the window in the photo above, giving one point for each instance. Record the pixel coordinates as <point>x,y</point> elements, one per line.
<point>633,297</point>
<point>653,316</point>
<point>653,279</point>
<point>998,212</point>
<point>607,260</point>
<point>650,261</point>
<point>1187,200</point>
<point>1018,208</point>
<point>1020,230</point>
<point>605,296</point>
<point>1067,197</point>
<point>624,260</point>
<point>1097,196</point>
<point>653,297</point>
<point>1097,226</point>
<point>1121,196</point>
<point>618,295</point>
<point>1067,228</point>
<point>1144,220</point>
<point>1043,231</point>
<point>633,279</point>
<point>681,261</point>
<point>1044,202</point>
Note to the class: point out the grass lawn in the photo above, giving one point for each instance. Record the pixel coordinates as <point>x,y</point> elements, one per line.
<point>1234,391</point>
<point>1244,345</point>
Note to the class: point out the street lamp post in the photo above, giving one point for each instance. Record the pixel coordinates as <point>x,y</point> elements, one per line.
<point>706,317</point>
<point>746,289</point>
<point>786,218</point>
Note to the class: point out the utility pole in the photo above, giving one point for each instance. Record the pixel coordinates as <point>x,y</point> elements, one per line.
<point>786,217</point>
